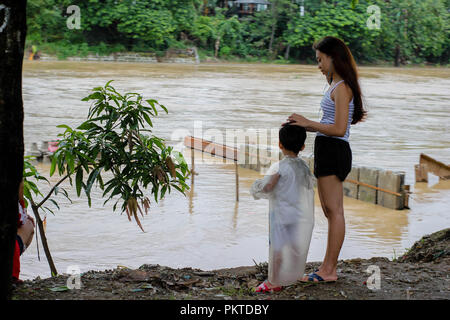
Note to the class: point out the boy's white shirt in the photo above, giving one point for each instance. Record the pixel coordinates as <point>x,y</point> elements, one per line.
<point>291,217</point>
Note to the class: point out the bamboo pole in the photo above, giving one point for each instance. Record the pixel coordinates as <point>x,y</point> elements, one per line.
<point>237,180</point>
<point>192,167</point>
<point>373,187</point>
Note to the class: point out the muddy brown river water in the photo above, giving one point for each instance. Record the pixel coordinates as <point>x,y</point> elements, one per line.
<point>409,114</point>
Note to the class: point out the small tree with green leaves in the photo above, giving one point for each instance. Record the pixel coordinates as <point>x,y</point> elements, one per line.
<point>112,141</point>
<point>217,30</point>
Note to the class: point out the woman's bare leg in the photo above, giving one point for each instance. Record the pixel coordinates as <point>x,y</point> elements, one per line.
<point>322,201</point>
<point>331,198</point>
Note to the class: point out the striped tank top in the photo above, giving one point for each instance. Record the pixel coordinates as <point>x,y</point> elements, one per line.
<point>328,108</point>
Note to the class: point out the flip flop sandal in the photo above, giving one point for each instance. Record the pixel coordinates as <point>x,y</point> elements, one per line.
<point>263,288</point>
<point>314,275</point>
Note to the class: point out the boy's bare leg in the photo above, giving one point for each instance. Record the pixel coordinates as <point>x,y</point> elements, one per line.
<point>275,269</point>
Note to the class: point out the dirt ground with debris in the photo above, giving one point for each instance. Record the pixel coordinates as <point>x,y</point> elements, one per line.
<point>421,273</point>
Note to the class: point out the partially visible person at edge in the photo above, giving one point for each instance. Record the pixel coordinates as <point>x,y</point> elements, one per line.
<point>25,232</point>
<point>341,105</point>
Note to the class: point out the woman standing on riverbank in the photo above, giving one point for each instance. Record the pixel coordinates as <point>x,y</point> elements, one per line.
<point>342,106</point>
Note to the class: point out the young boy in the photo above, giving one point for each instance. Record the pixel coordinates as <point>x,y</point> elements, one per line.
<point>25,232</point>
<point>288,185</point>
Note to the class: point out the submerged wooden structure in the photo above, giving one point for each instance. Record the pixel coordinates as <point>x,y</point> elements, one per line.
<point>213,149</point>
<point>374,185</point>
<point>428,164</point>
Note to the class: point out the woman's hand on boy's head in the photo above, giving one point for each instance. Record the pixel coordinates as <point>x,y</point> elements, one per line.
<point>289,121</point>
<point>298,120</point>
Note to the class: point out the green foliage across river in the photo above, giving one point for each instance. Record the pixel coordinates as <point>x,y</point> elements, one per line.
<point>411,31</point>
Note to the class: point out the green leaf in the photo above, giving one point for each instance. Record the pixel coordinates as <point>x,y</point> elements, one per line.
<point>64,192</point>
<point>111,185</point>
<point>53,166</point>
<point>156,194</point>
<point>26,192</point>
<point>88,194</point>
<point>79,181</point>
<point>42,178</point>
<point>82,158</point>
<point>163,192</point>
<point>179,189</point>
<point>48,209</point>
<point>65,126</point>
<point>152,102</point>
<point>55,203</point>
<point>96,95</point>
<point>100,181</point>
<point>87,125</point>
<point>91,179</point>
<point>31,185</point>
<point>164,108</point>
<point>159,143</point>
<point>147,119</point>
<point>70,161</point>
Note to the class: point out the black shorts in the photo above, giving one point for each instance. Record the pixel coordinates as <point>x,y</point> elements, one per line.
<point>332,156</point>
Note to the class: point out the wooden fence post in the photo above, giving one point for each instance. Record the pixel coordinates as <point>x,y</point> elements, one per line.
<point>237,180</point>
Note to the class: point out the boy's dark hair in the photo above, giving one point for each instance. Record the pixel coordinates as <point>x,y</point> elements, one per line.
<point>292,137</point>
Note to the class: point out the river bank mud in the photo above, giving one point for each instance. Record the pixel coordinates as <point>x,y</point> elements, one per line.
<point>421,273</point>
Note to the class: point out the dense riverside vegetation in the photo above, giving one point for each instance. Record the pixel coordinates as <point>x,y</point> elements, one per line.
<point>410,31</point>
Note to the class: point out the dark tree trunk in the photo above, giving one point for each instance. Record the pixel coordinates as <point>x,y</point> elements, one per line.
<point>397,55</point>
<point>12,41</point>
<point>286,53</point>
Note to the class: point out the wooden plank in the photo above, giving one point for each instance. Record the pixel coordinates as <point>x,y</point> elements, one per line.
<point>368,176</point>
<point>394,181</point>
<point>436,167</point>
<point>211,147</point>
<point>406,189</point>
<point>217,149</point>
<point>421,173</point>
<point>373,187</point>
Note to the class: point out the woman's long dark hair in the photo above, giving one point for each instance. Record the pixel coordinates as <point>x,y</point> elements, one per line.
<point>345,66</point>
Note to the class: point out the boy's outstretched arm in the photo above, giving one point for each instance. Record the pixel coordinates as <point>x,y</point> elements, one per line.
<point>272,183</point>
